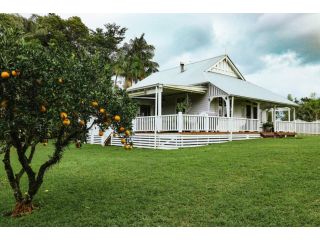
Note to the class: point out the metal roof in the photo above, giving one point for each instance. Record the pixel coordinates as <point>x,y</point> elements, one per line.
<point>236,87</point>
<point>196,74</point>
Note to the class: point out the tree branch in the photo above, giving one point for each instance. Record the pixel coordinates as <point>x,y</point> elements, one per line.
<point>55,158</point>
<point>23,159</point>
<point>13,182</point>
<point>22,171</point>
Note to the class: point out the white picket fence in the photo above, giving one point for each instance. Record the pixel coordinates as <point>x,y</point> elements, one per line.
<point>298,127</point>
<point>186,122</point>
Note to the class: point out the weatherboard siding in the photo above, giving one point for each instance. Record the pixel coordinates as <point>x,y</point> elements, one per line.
<point>199,103</point>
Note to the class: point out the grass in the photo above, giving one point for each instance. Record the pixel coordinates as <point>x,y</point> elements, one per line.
<point>267,182</point>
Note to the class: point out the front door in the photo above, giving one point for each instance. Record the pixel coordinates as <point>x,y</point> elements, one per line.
<point>145,110</point>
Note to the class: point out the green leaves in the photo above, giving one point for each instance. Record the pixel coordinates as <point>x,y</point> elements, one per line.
<point>134,61</point>
<point>56,79</point>
<point>309,109</point>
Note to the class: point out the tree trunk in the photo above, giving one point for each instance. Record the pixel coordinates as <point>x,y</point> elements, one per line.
<point>14,183</point>
<point>23,207</point>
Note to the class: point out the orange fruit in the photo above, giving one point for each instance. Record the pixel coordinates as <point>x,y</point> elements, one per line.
<point>63,115</point>
<point>127,147</point>
<point>5,74</point>
<point>4,103</point>
<point>14,73</point>
<point>123,140</point>
<point>43,109</point>
<point>117,118</point>
<point>60,80</point>
<point>81,123</point>
<point>66,122</point>
<point>101,133</point>
<point>102,110</point>
<point>121,129</point>
<point>127,133</point>
<point>94,104</point>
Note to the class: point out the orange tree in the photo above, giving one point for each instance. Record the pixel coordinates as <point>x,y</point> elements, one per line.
<point>51,92</point>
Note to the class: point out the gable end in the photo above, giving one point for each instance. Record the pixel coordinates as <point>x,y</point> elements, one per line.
<point>225,66</point>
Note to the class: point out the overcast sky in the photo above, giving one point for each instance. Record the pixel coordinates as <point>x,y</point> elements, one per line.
<point>280,52</point>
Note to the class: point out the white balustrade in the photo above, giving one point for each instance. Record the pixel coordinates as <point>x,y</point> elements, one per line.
<point>194,122</point>
<point>169,122</point>
<point>198,123</point>
<point>145,124</point>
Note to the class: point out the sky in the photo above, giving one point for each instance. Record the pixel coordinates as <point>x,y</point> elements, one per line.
<point>280,52</point>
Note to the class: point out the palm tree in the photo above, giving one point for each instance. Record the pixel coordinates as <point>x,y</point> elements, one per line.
<point>118,69</point>
<point>137,56</point>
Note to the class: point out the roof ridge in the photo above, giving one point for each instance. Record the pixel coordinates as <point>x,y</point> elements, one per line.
<point>223,55</point>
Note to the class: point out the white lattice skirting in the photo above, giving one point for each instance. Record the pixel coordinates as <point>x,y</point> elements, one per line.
<point>175,141</point>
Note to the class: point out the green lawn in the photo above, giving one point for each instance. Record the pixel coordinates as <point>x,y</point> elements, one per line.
<point>267,182</point>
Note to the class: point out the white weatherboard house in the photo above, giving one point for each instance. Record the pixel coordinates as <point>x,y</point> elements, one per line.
<point>224,107</point>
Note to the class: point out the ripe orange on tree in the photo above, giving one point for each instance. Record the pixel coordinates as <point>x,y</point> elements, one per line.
<point>15,72</point>
<point>127,133</point>
<point>66,122</point>
<point>43,109</point>
<point>5,74</point>
<point>60,80</point>
<point>101,133</point>
<point>117,118</point>
<point>127,147</point>
<point>102,110</point>
<point>123,140</point>
<point>63,115</point>
<point>121,129</point>
<point>94,104</point>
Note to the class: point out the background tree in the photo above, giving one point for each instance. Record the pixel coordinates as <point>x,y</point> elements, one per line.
<point>51,85</point>
<point>138,64</point>
<point>309,107</point>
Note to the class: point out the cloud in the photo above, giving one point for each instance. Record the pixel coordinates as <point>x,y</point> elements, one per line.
<point>286,73</point>
<point>191,37</point>
<point>278,51</point>
<point>278,33</point>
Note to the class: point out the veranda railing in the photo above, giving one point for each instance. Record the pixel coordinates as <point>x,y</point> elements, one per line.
<point>187,122</point>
